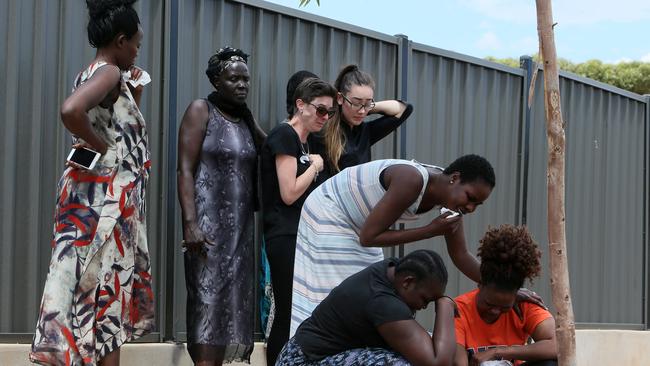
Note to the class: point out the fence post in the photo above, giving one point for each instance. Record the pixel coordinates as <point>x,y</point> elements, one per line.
<point>521,212</point>
<point>169,257</point>
<point>403,61</point>
<point>646,213</point>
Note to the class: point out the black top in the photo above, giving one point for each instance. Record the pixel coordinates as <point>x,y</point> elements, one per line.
<point>349,316</point>
<point>359,139</point>
<point>280,219</point>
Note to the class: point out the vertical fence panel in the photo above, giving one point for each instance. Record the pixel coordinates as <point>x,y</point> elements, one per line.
<point>646,212</point>
<point>465,105</point>
<point>604,129</point>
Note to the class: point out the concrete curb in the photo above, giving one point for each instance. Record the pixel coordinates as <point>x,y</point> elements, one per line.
<point>132,354</point>
<point>594,347</point>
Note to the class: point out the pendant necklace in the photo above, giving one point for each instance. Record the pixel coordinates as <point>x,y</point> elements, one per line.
<point>304,158</point>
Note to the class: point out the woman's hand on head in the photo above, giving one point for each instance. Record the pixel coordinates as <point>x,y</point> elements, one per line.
<point>526,295</point>
<point>393,108</point>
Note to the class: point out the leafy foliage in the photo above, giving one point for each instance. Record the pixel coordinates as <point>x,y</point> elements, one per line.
<point>633,76</point>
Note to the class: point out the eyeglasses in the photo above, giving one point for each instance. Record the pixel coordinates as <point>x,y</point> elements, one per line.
<point>322,111</point>
<point>368,106</point>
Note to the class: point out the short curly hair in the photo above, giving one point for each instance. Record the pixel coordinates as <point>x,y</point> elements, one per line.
<point>508,255</point>
<point>472,168</point>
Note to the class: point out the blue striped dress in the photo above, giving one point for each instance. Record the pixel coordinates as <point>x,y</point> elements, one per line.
<point>327,248</point>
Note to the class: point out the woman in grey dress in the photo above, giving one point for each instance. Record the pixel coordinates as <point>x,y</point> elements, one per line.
<point>217,163</point>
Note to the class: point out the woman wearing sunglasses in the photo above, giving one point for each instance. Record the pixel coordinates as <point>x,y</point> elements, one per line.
<point>289,173</point>
<point>347,137</point>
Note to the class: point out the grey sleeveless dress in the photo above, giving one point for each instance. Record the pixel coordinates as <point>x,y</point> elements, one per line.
<point>220,299</point>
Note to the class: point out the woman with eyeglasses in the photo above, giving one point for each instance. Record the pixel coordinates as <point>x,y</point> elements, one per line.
<point>348,138</point>
<point>289,174</point>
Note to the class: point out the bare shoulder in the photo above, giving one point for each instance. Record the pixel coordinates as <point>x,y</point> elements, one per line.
<point>197,112</point>
<point>199,106</point>
<point>404,175</point>
<point>106,73</point>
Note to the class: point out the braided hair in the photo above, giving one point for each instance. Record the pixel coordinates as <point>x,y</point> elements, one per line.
<point>108,18</point>
<point>223,59</point>
<point>423,264</point>
<point>509,255</point>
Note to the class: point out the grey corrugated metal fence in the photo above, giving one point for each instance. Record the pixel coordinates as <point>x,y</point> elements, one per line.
<point>462,105</point>
<point>605,205</point>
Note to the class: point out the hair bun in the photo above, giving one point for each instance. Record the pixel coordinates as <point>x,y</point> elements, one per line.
<point>99,8</point>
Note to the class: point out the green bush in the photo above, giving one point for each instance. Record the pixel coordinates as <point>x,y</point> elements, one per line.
<point>633,76</point>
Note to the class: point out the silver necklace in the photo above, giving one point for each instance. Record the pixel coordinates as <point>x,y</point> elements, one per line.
<point>304,158</point>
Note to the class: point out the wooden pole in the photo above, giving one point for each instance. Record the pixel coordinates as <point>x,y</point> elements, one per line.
<point>561,291</point>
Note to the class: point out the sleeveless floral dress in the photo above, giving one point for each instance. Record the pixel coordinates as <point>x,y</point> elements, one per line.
<point>98,293</point>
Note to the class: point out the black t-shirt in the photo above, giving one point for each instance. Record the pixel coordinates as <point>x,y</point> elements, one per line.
<point>359,139</point>
<point>349,316</point>
<point>279,218</point>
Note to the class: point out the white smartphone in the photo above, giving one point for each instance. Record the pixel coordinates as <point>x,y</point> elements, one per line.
<point>453,213</point>
<point>84,157</point>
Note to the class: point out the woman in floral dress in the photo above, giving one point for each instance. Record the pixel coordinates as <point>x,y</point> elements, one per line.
<point>98,294</point>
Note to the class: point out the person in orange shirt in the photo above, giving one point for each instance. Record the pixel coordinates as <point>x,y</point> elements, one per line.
<point>488,328</point>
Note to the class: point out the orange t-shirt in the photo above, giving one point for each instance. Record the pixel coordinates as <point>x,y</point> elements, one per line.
<point>476,335</point>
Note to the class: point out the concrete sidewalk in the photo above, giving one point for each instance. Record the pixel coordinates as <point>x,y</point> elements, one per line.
<point>595,348</point>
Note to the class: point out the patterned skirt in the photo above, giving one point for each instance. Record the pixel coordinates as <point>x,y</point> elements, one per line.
<point>292,355</point>
<point>98,293</point>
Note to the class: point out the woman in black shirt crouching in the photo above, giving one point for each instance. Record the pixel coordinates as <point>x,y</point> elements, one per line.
<point>369,318</point>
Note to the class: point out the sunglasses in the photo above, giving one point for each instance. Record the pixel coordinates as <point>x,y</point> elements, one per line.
<point>322,111</point>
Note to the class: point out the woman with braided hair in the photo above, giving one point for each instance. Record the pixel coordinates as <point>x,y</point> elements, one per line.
<point>219,142</point>
<point>488,328</point>
<point>369,318</point>
<point>98,294</point>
